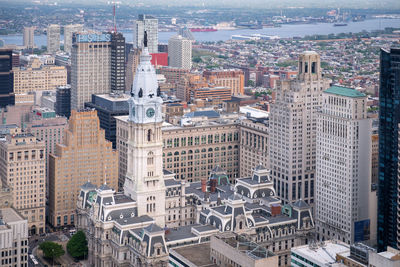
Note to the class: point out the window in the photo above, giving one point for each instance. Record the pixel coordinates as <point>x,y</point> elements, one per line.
<point>150,158</point>
<point>149,135</point>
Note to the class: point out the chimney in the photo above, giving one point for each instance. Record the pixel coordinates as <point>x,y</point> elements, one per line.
<point>203,185</point>
<point>213,185</point>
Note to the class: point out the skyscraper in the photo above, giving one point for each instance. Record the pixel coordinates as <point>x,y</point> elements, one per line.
<point>117,62</point>
<point>150,25</point>
<point>293,125</point>
<point>180,52</point>
<point>7,96</point>
<point>389,119</point>
<point>343,174</point>
<point>28,182</point>
<point>28,38</point>
<point>68,31</point>
<point>63,101</point>
<point>53,38</point>
<point>91,67</point>
<point>84,155</point>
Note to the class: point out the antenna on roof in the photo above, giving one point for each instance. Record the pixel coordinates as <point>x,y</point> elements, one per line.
<point>115,23</point>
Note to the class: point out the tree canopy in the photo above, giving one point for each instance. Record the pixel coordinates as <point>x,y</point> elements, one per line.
<point>77,245</point>
<point>51,250</point>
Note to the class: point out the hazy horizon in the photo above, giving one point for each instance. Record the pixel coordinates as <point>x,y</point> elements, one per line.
<point>266,4</point>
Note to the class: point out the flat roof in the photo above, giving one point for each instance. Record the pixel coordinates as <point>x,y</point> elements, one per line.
<point>10,215</point>
<point>325,254</point>
<point>114,97</point>
<point>254,112</point>
<point>198,254</point>
<point>344,91</point>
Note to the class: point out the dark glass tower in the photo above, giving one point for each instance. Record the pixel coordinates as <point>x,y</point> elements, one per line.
<point>6,78</point>
<point>117,62</point>
<point>389,118</point>
<point>63,101</point>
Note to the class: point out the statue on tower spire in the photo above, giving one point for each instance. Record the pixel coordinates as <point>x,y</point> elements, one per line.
<point>145,39</point>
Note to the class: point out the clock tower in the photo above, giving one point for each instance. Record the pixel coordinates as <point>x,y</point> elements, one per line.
<point>144,180</point>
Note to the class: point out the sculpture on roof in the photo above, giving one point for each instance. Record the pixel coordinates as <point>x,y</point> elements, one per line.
<point>145,39</point>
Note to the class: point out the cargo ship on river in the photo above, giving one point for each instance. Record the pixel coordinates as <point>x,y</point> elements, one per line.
<point>203,30</point>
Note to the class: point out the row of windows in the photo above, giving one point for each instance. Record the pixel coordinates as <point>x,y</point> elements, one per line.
<point>204,139</point>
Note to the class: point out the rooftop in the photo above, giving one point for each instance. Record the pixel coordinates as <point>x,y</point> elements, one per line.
<point>322,254</point>
<point>344,91</point>
<point>9,215</point>
<point>198,255</point>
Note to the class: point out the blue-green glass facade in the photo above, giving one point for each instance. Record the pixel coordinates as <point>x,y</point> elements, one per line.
<point>389,118</point>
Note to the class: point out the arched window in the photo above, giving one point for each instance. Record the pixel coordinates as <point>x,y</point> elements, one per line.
<point>149,135</point>
<point>150,158</point>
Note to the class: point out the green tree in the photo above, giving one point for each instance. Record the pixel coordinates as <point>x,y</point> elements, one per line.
<point>77,245</point>
<point>51,250</point>
<point>196,59</point>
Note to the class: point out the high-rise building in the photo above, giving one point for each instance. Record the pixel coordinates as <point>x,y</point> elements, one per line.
<point>23,169</point>
<point>293,126</point>
<point>63,101</point>
<point>149,25</point>
<point>180,52</point>
<point>233,79</point>
<point>117,62</point>
<point>6,78</point>
<point>68,32</point>
<point>83,156</point>
<point>131,65</point>
<point>91,67</point>
<point>343,168</point>
<point>53,38</point>
<point>389,119</point>
<point>254,146</point>
<point>28,37</point>
<point>37,77</point>
<point>13,238</point>
<point>108,106</point>
<point>47,127</point>
<point>156,211</point>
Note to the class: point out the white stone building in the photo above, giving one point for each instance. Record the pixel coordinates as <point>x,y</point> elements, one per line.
<point>343,174</point>
<point>156,212</point>
<point>180,52</point>
<point>53,38</point>
<point>68,31</point>
<point>91,67</point>
<point>293,119</point>
<point>150,25</point>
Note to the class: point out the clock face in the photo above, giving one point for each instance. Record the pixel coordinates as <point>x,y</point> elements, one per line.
<point>150,112</point>
<point>133,111</point>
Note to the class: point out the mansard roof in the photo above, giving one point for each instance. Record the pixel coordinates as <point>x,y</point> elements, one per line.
<point>300,204</point>
<point>153,228</point>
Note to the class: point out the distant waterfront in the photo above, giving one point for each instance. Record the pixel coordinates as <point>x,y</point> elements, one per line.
<point>286,31</point>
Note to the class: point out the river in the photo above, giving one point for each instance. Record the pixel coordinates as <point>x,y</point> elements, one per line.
<point>286,31</point>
